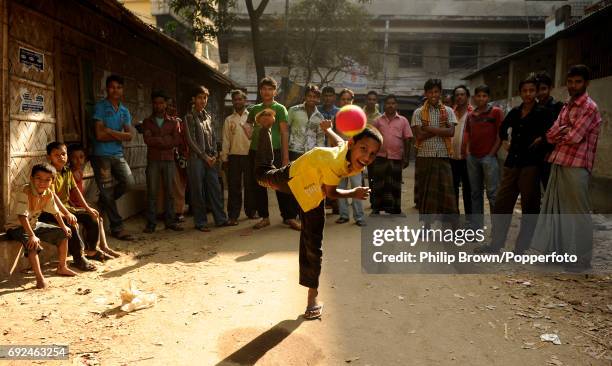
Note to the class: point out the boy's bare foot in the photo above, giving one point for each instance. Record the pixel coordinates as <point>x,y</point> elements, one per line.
<point>111,252</point>
<point>41,283</point>
<point>65,271</point>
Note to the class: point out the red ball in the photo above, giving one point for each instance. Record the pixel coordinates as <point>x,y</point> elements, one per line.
<point>351,120</point>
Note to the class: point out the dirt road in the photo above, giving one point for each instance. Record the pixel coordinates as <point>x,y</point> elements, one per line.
<point>230,297</point>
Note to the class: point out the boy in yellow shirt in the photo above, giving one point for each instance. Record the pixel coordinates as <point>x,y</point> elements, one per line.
<point>312,177</point>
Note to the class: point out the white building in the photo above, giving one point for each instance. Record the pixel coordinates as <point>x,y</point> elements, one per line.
<point>445,39</point>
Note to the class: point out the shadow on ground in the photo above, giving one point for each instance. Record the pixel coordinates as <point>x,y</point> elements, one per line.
<point>274,346</point>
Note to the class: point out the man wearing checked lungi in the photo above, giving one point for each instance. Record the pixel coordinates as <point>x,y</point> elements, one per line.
<point>433,125</point>
<point>564,225</point>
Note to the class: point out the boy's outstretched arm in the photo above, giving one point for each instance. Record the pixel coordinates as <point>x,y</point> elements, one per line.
<point>360,193</point>
<point>333,138</point>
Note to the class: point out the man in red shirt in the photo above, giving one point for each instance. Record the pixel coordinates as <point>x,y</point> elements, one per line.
<point>482,141</point>
<point>565,225</point>
<point>161,135</point>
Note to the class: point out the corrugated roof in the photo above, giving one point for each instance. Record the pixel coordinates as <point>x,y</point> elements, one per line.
<point>572,29</point>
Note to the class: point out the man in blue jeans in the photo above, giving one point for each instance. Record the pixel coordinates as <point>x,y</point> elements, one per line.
<point>482,141</point>
<point>112,174</point>
<point>201,171</point>
<point>161,134</point>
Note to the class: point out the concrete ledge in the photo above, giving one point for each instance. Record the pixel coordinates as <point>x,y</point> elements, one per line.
<point>11,254</point>
<point>133,202</point>
<point>12,259</point>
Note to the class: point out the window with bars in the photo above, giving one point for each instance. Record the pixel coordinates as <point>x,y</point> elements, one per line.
<point>463,55</point>
<point>410,55</point>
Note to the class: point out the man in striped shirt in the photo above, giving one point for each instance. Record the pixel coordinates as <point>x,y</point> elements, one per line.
<point>235,158</point>
<point>565,224</point>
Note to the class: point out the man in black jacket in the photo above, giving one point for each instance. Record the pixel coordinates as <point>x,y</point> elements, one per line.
<point>554,107</point>
<point>521,174</point>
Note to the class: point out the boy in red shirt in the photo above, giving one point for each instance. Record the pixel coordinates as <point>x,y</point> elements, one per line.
<point>482,142</point>
<point>77,159</point>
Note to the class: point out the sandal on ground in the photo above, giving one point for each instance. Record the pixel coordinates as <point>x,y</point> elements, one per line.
<point>203,229</point>
<point>100,256</point>
<point>294,224</point>
<point>261,224</point>
<point>84,265</point>
<point>313,312</point>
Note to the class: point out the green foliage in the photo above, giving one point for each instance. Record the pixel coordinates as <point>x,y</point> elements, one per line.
<point>208,18</point>
<point>170,27</point>
<point>327,37</point>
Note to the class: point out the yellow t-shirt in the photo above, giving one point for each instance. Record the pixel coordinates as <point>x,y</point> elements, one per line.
<point>319,166</point>
<point>62,185</point>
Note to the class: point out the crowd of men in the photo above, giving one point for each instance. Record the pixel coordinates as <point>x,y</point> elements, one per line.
<point>456,152</point>
<point>550,149</point>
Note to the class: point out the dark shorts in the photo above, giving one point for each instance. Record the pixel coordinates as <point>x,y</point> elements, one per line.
<point>45,232</point>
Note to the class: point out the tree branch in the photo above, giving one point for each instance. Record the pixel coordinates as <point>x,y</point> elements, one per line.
<point>260,8</point>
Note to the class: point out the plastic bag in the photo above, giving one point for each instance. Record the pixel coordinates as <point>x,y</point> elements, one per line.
<point>550,337</point>
<point>133,299</point>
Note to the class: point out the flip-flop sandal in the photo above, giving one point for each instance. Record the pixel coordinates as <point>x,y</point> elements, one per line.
<point>313,312</point>
<point>85,265</point>
<point>99,256</point>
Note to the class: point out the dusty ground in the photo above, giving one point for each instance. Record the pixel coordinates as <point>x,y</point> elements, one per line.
<point>230,297</point>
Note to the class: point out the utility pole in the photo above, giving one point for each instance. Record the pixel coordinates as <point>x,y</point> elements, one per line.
<point>386,49</point>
